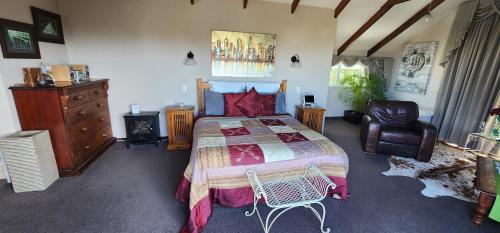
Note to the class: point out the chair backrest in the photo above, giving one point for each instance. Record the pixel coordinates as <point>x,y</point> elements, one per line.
<point>393,113</point>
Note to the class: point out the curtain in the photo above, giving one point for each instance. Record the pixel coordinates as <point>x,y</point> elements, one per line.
<point>375,65</point>
<point>472,78</point>
<point>490,122</point>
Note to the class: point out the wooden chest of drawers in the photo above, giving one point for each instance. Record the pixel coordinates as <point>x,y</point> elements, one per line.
<point>76,115</point>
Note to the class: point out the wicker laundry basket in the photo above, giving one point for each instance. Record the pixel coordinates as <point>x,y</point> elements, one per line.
<point>30,160</point>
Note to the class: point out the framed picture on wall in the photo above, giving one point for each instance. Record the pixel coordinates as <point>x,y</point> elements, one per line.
<point>243,54</point>
<point>415,67</point>
<point>18,40</point>
<point>48,26</point>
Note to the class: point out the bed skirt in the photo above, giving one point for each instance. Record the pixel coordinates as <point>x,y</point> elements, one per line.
<point>233,198</point>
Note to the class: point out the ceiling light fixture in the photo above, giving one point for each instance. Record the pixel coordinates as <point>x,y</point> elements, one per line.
<point>428,16</point>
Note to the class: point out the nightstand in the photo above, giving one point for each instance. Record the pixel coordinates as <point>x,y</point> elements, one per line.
<point>312,117</point>
<point>180,127</point>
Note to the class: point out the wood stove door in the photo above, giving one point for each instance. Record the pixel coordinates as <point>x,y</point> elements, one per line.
<point>141,130</point>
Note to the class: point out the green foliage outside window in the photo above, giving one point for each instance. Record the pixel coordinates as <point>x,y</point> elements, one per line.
<point>338,72</point>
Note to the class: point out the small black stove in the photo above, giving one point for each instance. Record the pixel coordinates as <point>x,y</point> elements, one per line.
<point>142,128</point>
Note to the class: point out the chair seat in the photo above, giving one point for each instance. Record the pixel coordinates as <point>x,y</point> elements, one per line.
<point>400,135</point>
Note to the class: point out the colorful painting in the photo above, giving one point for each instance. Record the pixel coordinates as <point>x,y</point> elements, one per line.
<point>415,68</point>
<point>242,54</point>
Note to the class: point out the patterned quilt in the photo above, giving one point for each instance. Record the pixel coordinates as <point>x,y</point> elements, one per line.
<point>224,148</point>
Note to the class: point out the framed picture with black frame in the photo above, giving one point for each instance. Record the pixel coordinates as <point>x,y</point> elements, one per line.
<point>48,26</point>
<point>18,40</point>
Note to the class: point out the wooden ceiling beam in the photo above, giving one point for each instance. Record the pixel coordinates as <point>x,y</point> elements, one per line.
<point>295,3</point>
<point>408,23</point>
<point>340,7</point>
<point>394,2</point>
<point>375,17</point>
<point>192,2</point>
<point>245,3</point>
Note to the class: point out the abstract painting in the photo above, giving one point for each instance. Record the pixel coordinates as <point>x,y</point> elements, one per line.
<point>18,40</point>
<point>415,68</point>
<point>243,54</point>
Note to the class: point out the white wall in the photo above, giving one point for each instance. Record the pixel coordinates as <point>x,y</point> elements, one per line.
<point>438,32</point>
<point>11,69</point>
<point>140,47</point>
<point>6,122</point>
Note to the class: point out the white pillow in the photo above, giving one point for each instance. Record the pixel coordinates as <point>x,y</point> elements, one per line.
<point>264,87</point>
<point>227,86</point>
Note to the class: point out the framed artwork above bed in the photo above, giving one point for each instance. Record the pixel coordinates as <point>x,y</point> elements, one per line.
<point>243,54</point>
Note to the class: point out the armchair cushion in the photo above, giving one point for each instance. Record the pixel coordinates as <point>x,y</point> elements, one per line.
<point>393,113</point>
<point>400,135</point>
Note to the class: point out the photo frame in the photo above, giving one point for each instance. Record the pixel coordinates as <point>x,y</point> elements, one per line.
<point>18,40</point>
<point>48,26</point>
<point>415,68</point>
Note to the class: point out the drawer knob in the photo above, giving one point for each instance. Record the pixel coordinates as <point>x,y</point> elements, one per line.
<point>78,97</point>
<point>84,130</point>
<point>104,135</point>
<point>87,147</point>
<point>81,113</point>
<point>99,105</point>
<point>101,119</point>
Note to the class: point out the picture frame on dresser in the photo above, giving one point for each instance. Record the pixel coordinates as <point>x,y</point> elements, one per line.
<point>18,40</point>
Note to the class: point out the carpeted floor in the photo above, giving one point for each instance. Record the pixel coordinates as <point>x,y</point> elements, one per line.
<point>132,191</point>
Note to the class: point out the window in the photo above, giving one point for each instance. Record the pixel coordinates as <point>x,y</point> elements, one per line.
<point>339,71</point>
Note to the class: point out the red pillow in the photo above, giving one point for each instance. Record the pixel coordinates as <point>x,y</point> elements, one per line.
<point>266,105</point>
<point>248,103</point>
<point>230,108</point>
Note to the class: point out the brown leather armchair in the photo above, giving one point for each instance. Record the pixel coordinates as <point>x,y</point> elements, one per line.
<point>392,127</point>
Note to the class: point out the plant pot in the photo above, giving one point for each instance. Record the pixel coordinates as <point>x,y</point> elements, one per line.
<point>353,117</point>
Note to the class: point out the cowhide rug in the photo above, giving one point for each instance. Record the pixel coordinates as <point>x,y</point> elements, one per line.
<point>451,172</point>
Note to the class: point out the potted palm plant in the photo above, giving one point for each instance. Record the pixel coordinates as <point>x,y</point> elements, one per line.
<point>356,91</point>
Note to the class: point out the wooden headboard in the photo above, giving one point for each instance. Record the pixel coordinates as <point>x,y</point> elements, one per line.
<point>201,86</point>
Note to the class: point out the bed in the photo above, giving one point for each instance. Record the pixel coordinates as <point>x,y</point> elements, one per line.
<point>224,148</point>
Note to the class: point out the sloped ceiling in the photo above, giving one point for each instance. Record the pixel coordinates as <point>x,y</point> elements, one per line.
<point>358,12</point>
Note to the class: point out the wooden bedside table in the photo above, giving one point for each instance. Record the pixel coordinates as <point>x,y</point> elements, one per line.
<point>311,117</point>
<point>180,127</point>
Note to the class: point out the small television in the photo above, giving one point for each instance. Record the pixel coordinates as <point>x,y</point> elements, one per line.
<point>309,100</point>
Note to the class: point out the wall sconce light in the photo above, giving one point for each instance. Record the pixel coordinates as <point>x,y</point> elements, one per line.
<point>295,61</point>
<point>190,59</point>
